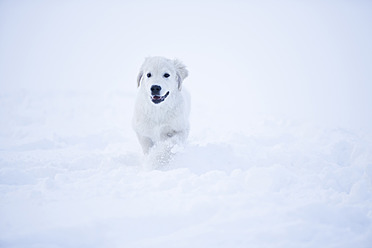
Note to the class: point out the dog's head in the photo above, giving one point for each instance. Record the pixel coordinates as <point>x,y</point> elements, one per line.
<point>159,77</point>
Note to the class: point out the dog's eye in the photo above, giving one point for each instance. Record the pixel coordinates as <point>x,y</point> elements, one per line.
<point>166,75</point>
<point>148,74</point>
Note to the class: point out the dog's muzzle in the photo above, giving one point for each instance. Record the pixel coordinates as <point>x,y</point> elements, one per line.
<point>158,99</point>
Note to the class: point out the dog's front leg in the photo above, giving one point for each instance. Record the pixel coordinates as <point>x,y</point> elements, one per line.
<point>145,142</point>
<point>174,140</point>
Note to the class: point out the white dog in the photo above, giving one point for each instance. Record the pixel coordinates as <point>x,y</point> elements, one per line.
<point>162,107</point>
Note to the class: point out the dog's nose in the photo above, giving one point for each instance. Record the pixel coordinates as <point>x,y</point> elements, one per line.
<point>155,90</point>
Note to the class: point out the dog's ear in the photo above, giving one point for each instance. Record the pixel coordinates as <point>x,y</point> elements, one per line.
<point>139,77</point>
<point>181,71</point>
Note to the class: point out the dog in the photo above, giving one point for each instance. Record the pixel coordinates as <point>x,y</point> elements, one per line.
<point>162,107</point>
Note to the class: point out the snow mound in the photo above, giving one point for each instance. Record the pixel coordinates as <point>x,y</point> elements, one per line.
<point>286,185</point>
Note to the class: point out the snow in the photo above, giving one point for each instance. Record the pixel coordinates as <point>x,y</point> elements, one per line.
<point>280,148</point>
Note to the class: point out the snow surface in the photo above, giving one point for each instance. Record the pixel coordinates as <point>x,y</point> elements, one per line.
<point>280,149</point>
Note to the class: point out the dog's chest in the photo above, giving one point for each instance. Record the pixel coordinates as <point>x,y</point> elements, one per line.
<point>157,125</point>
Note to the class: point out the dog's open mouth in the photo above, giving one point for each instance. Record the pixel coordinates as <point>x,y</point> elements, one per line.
<point>158,99</point>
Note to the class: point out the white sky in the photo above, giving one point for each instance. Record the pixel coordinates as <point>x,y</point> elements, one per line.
<point>291,59</point>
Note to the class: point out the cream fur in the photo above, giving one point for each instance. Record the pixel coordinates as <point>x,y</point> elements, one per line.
<point>161,126</point>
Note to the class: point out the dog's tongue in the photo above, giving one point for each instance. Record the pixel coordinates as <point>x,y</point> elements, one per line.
<point>156,97</point>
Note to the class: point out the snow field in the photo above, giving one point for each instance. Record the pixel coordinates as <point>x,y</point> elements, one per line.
<point>285,185</point>
<point>280,148</point>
